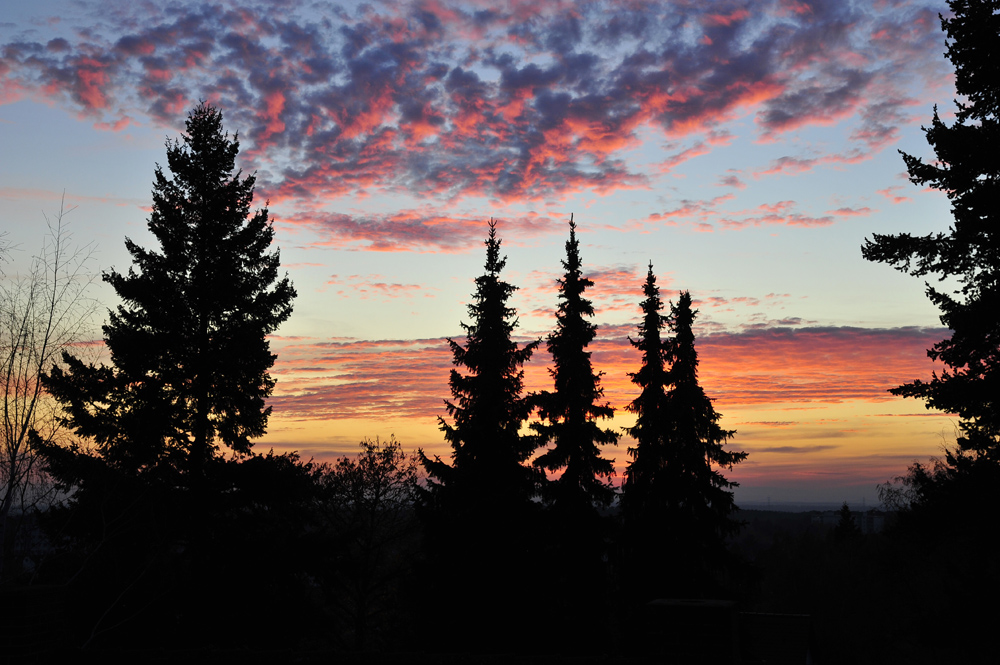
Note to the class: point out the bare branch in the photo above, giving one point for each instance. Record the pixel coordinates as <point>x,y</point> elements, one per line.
<point>43,312</point>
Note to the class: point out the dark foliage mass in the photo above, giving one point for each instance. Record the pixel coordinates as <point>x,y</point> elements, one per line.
<point>489,455</point>
<point>695,434</point>
<point>154,509</point>
<point>677,505</point>
<point>366,539</point>
<point>649,406</point>
<point>571,411</point>
<point>188,345</point>
<point>479,511</point>
<point>969,253</point>
<point>944,506</point>
<point>577,497</point>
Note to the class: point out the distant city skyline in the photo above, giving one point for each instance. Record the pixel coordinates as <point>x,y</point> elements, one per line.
<point>746,149</point>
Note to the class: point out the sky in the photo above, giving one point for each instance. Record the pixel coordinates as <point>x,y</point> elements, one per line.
<point>745,149</point>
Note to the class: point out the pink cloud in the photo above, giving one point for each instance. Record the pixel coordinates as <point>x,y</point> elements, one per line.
<point>673,162</point>
<point>413,230</point>
<point>794,219</point>
<point>362,379</point>
<point>116,126</point>
<point>525,101</point>
<point>703,216</point>
<point>389,379</point>
<point>851,212</point>
<point>616,288</point>
<point>889,193</point>
<point>91,81</point>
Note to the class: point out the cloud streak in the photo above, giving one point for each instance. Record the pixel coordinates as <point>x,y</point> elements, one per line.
<point>423,230</point>
<point>390,379</point>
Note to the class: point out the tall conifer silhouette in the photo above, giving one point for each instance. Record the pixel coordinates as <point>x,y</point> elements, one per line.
<point>478,510</point>
<point>189,349</point>
<point>650,429</point>
<point>155,505</point>
<point>702,497</point>
<point>573,408</point>
<point>968,170</point>
<point>677,504</point>
<point>489,455</point>
<point>577,532</point>
<point>945,504</point>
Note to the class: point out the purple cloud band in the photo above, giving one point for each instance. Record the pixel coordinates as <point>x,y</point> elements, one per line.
<point>448,100</point>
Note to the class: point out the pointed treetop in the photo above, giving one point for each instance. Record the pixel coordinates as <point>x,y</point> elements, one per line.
<point>649,335</point>
<point>572,261</point>
<point>573,283</point>
<point>683,353</point>
<point>574,407</point>
<point>494,264</point>
<point>652,304</point>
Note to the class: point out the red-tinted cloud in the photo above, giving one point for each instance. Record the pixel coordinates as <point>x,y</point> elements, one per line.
<point>520,102</point>
<point>851,212</point>
<point>890,193</point>
<point>362,379</point>
<point>411,230</point>
<point>697,150</point>
<point>815,364</point>
<point>390,379</point>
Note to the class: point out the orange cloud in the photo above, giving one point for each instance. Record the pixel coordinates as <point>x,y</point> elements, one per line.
<point>810,404</point>
<point>770,366</point>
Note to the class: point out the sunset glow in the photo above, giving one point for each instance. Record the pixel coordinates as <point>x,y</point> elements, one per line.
<point>745,148</point>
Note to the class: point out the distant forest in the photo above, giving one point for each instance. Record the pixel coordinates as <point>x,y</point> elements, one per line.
<point>138,519</point>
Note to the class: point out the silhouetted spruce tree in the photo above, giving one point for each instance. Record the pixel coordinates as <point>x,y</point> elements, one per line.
<point>489,455</point>
<point>156,510</point>
<point>650,428</point>
<point>189,349</point>
<point>946,502</point>
<point>478,510</point>
<point>679,504</point>
<point>572,410</point>
<point>695,441</point>
<point>577,533</point>
<point>847,528</point>
<point>967,169</point>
